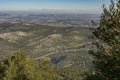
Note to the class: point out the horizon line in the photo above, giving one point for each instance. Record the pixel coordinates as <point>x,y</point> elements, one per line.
<point>57,10</point>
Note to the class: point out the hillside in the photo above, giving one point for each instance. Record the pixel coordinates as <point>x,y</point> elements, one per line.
<point>64,46</point>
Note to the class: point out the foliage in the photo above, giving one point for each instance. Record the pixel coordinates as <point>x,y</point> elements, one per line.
<point>72,73</point>
<point>22,67</point>
<point>107,63</point>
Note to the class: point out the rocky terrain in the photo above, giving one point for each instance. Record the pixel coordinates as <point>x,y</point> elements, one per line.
<point>64,46</point>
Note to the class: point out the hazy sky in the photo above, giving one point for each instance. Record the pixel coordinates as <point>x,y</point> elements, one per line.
<point>83,5</point>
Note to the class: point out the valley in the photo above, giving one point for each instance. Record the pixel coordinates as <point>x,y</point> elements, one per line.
<point>63,46</point>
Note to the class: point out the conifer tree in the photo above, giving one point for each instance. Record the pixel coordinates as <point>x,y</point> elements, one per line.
<point>107,60</point>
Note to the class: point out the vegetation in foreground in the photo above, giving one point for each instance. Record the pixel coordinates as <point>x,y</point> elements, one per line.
<point>19,66</point>
<point>107,62</point>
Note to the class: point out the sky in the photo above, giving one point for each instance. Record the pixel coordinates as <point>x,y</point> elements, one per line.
<point>85,6</point>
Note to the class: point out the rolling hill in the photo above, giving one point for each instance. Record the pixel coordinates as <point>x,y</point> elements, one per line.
<point>64,46</point>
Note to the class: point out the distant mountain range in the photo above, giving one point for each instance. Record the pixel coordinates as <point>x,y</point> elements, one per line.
<point>49,17</point>
<point>51,11</point>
